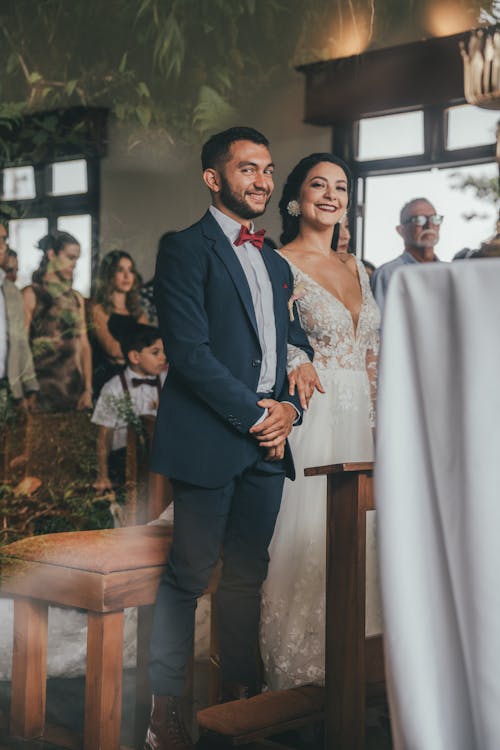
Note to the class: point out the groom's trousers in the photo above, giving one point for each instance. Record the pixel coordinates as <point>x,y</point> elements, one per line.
<point>235,523</point>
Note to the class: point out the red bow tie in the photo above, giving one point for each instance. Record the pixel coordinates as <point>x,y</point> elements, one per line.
<point>256,238</point>
<point>136,382</point>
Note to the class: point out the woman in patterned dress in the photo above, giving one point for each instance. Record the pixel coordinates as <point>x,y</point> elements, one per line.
<point>55,319</point>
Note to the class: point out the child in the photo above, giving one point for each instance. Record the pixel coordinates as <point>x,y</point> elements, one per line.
<point>133,392</point>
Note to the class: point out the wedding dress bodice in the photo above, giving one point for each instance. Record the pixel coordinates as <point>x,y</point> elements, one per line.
<point>329,325</point>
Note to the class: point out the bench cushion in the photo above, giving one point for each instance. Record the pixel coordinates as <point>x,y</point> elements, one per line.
<point>103,551</point>
<point>102,571</point>
<point>263,714</point>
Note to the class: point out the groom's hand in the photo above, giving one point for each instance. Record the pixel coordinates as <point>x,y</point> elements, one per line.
<point>276,427</point>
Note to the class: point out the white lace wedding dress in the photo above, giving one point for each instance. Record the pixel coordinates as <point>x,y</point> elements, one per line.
<point>337,427</point>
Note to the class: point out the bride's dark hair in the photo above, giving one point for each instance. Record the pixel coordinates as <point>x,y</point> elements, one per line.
<point>291,191</point>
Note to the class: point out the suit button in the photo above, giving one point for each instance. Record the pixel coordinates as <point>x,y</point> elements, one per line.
<point>256,362</point>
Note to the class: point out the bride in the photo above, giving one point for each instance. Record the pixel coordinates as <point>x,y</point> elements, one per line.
<point>338,312</point>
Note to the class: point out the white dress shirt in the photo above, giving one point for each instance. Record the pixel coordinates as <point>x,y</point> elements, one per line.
<point>261,290</point>
<point>111,407</point>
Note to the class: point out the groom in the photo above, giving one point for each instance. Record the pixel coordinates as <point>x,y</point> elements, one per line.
<point>225,412</point>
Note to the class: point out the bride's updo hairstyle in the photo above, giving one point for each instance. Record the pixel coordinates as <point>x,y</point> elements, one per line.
<point>291,192</point>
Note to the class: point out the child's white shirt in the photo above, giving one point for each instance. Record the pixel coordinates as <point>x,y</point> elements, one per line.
<point>111,407</point>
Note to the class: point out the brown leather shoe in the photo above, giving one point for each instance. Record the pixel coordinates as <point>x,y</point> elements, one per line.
<point>235,691</point>
<point>166,729</point>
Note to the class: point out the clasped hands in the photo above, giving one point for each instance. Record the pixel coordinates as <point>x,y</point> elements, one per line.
<point>273,431</point>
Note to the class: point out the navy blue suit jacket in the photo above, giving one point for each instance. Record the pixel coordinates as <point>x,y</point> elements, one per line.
<point>209,330</point>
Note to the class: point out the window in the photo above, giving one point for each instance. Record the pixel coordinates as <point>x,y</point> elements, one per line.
<point>69,177</point>
<point>61,195</point>
<point>391,136</point>
<point>23,238</point>
<point>469,126</point>
<point>444,145</point>
<point>18,183</point>
<point>468,221</point>
<point>81,228</point>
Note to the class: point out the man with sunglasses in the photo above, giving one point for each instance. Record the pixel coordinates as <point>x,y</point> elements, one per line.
<point>419,227</point>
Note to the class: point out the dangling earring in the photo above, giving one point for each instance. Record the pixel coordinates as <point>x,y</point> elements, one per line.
<point>293,208</point>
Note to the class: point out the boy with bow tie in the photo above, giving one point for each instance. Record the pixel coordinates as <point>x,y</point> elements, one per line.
<point>132,393</point>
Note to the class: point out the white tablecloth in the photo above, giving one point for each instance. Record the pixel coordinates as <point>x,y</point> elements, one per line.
<point>438,502</point>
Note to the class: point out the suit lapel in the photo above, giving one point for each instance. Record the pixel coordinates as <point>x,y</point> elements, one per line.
<point>224,250</point>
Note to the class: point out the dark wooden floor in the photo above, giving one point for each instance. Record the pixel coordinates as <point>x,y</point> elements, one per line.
<point>65,698</point>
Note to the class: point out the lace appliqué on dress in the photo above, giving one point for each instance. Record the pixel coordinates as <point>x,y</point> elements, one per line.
<point>330,328</point>
<point>297,643</point>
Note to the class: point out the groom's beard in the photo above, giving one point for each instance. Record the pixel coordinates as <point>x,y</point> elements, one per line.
<point>238,205</point>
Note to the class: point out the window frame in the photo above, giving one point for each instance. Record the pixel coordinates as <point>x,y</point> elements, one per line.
<point>52,207</point>
<point>345,140</point>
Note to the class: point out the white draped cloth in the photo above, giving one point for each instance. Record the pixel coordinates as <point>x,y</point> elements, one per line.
<point>438,504</point>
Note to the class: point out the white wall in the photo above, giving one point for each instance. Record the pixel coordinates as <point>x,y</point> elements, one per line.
<point>155,186</point>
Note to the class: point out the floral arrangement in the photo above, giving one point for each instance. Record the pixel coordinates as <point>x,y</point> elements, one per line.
<point>299,291</point>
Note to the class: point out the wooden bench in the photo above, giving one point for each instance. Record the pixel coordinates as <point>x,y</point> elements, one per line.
<point>245,722</point>
<point>102,572</point>
<point>354,664</point>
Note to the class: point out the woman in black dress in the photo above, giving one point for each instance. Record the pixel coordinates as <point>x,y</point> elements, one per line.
<point>117,297</point>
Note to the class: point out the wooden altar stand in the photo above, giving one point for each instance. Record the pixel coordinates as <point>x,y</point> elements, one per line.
<point>354,664</point>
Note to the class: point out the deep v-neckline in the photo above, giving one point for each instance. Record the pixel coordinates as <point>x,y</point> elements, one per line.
<point>331,294</point>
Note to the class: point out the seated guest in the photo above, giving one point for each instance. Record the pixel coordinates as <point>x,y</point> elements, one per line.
<point>11,266</point>
<point>117,297</point>
<point>55,320</point>
<point>128,395</point>
<point>419,227</point>
<point>17,375</point>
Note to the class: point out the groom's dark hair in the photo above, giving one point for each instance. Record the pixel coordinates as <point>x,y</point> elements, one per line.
<point>218,147</point>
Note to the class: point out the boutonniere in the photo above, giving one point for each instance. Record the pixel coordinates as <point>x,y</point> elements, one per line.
<point>298,292</point>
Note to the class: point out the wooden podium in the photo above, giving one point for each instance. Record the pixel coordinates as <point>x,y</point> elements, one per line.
<point>354,664</point>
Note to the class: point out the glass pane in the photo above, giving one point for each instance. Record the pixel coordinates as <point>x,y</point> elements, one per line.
<point>386,195</point>
<point>18,183</point>
<point>81,228</point>
<point>23,238</point>
<point>471,126</point>
<point>69,177</point>
<point>391,135</point>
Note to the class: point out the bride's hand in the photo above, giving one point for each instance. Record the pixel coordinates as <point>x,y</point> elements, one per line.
<point>305,379</point>
<point>276,453</point>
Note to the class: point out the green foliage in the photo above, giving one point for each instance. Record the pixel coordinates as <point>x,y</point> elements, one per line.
<point>483,188</point>
<point>211,111</point>
<point>182,66</point>
<point>25,515</point>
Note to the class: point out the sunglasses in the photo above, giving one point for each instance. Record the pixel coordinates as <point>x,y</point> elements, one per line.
<point>421,220</point>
